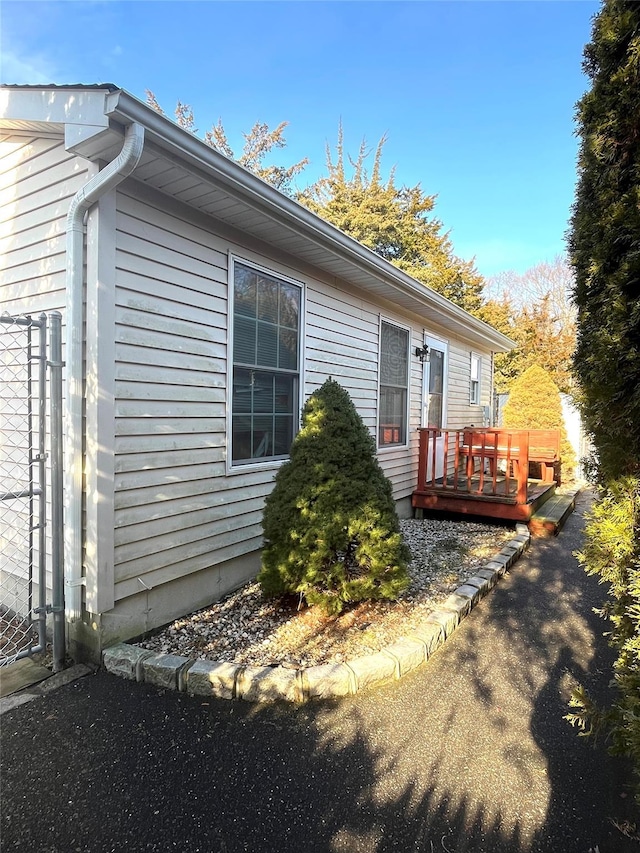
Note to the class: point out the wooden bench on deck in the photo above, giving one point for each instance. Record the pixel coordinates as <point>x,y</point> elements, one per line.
<point>541,446</point>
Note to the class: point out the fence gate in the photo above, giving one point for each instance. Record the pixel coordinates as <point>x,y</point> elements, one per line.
<point>31,535</point>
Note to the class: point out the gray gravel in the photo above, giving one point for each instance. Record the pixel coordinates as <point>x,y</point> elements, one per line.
<point>248,629</point>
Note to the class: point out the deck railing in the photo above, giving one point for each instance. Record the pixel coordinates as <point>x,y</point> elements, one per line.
<point>484,462</point>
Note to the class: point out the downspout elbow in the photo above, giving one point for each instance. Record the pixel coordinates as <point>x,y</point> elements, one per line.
<point>108,178</point>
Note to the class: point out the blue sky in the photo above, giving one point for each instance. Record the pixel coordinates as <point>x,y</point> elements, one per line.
<point>476,98</point>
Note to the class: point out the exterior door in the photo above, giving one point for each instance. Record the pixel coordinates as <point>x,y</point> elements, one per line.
<point>434,400</point>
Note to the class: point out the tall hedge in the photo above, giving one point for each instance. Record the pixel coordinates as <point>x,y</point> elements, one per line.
<point>604,248</point>
<point>535,403</point>
<point>604,239</point>
<point>331,528</point>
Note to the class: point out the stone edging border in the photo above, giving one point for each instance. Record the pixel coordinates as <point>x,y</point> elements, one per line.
<point>327,681</point>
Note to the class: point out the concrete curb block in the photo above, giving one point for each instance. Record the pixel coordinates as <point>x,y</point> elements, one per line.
<point>482,584</point>
<point>430,634</point>
<point>125,661</point>
<point>269,684</point>
<point>211,678</point>
<point>372,670</point>
<point>446,620</point>
<point>328,681</point>
<point>406,655</point>
<point>224,680</point>
<point>166,671</point>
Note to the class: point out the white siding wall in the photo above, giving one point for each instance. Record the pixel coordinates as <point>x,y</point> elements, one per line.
<point>460,412</point>
<point>342,335</point>
<point>177,511</point>
<point>37,180</point>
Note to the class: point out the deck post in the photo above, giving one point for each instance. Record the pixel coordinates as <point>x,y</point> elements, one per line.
<point>432,439</point>
<point>445,448</point>
<point>422,459</point>
<point>523,467</point>
<point>507,473</point>
<point>482,463</point>
<point>456,461</point>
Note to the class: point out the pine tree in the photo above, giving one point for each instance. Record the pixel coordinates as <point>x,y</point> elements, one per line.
<point>331,529</point>
<point>258,145</point>
<point>395,222</point>
<point>535,403</point>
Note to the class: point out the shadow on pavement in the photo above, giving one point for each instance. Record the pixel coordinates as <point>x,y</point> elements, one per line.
<point>469,754</point>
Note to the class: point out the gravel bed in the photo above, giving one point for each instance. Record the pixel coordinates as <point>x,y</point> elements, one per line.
<point>245,628</point>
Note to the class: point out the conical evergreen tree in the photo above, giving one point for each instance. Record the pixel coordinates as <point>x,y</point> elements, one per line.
<point>534,403</point>
<point>331,528</point>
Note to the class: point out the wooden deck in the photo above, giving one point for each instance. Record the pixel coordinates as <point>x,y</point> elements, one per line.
<point>485,472</point>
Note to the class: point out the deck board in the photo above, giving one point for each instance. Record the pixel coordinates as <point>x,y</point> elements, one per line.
<point>494,502</point>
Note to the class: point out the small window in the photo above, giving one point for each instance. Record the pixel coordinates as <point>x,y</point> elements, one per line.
<point>476,373</point>
<point>266,373</point>
<point>394,385</point>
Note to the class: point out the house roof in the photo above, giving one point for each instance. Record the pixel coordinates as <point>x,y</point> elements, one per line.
<point>177,163</point>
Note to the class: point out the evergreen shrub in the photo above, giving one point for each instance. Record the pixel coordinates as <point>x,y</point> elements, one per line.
<point>612,551</point>
<point>331,528</point>
<point>535,403</point>
<point>605,254</point>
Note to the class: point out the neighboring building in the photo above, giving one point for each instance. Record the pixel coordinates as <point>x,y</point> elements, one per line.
<point>578,437</point>
<point>206,306</point>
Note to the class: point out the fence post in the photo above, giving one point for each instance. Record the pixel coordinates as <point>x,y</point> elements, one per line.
<point>41,458</point>
<point>57,494</point>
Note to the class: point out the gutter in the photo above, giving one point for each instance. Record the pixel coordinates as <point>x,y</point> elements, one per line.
<point>108,178</point>
<point>262,196</point>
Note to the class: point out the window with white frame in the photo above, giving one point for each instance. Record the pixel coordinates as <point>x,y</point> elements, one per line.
<point>266,365</point>
<point>394,385</point>
<point>476,373</point>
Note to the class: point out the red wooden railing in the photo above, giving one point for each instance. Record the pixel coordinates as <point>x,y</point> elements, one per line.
<point>481,461</point>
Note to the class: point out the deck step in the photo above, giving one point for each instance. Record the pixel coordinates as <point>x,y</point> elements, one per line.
<point>551,516</point>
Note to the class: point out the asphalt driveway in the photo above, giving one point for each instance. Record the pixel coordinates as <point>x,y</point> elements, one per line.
<point>468,753</point>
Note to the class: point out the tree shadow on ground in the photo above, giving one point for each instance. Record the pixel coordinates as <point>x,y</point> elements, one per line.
<point>469,754</point>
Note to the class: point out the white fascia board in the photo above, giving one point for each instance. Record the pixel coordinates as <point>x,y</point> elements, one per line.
<point>168,136</point>
<point>60,106</point>
<point>80,113</point>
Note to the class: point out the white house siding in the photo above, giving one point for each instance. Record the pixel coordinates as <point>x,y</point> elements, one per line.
<point>342,341</point>
<point>460,412</point>
<point>177,511</point>
<point>37,180</point>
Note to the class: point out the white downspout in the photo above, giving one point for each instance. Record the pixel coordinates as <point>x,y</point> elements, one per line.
<point>108,178</point>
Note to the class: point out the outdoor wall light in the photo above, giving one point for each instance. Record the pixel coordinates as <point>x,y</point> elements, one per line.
<point>423,353</point>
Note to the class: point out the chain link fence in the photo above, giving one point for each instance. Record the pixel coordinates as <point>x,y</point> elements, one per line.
<point>26,442</point>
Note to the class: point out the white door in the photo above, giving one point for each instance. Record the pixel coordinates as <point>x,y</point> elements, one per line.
<point>434,400</point>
